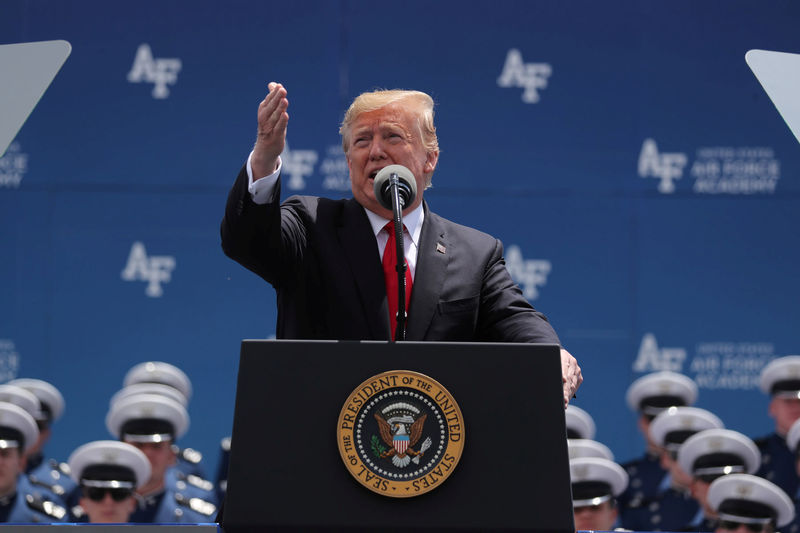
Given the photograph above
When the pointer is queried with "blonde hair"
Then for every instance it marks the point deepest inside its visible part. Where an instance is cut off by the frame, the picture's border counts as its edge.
(365, 102)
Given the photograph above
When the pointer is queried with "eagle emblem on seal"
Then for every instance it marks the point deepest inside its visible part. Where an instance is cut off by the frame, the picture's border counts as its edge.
(401, 425)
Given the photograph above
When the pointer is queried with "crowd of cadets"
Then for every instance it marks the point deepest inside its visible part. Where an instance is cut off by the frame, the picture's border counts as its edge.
(694, 475)
(140, 477)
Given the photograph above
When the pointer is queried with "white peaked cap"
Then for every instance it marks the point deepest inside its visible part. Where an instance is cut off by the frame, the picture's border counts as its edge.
(682, 419)
(719, 441)
(147, 406)
(15, 417)
(782, 369)
(149, 388)
(661, 384)
(585, 469)
(751, 488)
(588, 448)
(109, 453)
(159, 372)
(45, 392)
(21, 398)
(580, 422)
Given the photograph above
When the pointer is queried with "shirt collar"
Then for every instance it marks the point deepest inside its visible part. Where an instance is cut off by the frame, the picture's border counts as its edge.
(412, 221)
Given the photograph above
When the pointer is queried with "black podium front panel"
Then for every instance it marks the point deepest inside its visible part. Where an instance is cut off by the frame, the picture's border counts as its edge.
(286, 471)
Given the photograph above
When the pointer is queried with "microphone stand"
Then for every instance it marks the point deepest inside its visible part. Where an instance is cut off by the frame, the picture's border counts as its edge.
(397, 212)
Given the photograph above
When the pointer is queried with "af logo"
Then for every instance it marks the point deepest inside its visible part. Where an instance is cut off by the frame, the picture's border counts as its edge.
(530, 76)
(160, 72)
(667, 167)
(13, 166)
(651, 358)
(400, 434)
(529, 273)
(154, 269)
(9, 360)
(297, 165)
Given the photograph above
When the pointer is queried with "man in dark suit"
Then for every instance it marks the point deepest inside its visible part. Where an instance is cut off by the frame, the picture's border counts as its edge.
(321, 254)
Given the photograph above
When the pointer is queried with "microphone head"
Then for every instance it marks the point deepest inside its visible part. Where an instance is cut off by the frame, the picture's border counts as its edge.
(406, 186)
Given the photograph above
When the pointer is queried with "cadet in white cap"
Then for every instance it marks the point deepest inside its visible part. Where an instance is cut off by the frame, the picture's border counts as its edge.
(189, 461)
(580, 424)
(152, 423)
(40, 484)
(711, 454)
(780, 379)
(749, 503)
(793, 441)
(108, 473)
(596, 482)
(17, 432)
(182, 475)
(674, 507)
(648, 396)
(50, 474)
(588, 448)
(159, 372)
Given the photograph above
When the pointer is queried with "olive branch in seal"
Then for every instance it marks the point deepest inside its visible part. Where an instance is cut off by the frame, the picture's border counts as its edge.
(377, 447)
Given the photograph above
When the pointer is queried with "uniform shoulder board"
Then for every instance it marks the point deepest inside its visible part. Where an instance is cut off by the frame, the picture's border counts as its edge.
(199, 482)
(191, 455)
(45, 507)
(196, 504)
(62, 468)
(58, 490)
(77, 512)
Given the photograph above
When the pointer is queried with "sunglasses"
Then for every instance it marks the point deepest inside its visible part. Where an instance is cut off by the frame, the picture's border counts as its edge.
(732, 525)
(97, 494)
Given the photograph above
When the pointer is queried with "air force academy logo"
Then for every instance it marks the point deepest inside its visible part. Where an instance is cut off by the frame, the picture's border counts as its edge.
(530, 76)
(667, 167)
(154, 269)
(400, 434)
(160, 72)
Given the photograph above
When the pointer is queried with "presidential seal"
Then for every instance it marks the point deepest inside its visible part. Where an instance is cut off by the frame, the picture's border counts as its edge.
(400, 434)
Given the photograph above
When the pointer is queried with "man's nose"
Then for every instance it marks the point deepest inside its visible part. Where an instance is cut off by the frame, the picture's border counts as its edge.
(376, 150)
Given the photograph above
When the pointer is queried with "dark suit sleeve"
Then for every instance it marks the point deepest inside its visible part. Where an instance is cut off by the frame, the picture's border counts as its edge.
(268, 239)
(504, 315)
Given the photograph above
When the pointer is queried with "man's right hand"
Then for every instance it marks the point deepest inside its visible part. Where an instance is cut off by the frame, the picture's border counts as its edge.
(271, 138)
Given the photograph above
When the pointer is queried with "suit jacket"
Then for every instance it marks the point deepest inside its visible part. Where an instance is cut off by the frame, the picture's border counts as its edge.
(321, 257)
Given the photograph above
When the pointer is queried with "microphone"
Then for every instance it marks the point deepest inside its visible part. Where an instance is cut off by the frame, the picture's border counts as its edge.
(406, 186)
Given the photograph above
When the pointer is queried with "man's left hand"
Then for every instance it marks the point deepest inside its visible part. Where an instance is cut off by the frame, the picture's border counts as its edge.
(570, 375)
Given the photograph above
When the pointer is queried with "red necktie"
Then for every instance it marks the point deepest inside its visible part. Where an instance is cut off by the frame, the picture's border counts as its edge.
(390, 276)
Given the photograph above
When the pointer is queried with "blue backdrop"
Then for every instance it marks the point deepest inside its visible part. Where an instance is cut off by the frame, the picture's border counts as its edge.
(644, 185)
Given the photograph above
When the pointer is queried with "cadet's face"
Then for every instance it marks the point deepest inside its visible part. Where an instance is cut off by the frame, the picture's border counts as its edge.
(595, 517)
(744, 528)
(10, 467)
(785, 411)
(160, 455)
(700, 493)
(108, 511)
(387, 136)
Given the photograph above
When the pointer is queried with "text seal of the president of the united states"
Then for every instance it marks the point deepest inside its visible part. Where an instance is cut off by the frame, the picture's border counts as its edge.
(400, 433)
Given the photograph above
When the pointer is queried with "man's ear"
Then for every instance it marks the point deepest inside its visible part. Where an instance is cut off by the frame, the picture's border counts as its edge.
(431, 159)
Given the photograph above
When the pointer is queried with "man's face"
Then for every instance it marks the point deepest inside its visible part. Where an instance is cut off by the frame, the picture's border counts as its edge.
(699, 490)
(670, 464)
(160, 455)
(108, 510)
(595, 517)
(733, 527)
(387, 136)
(10, 467)
(785, 411)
